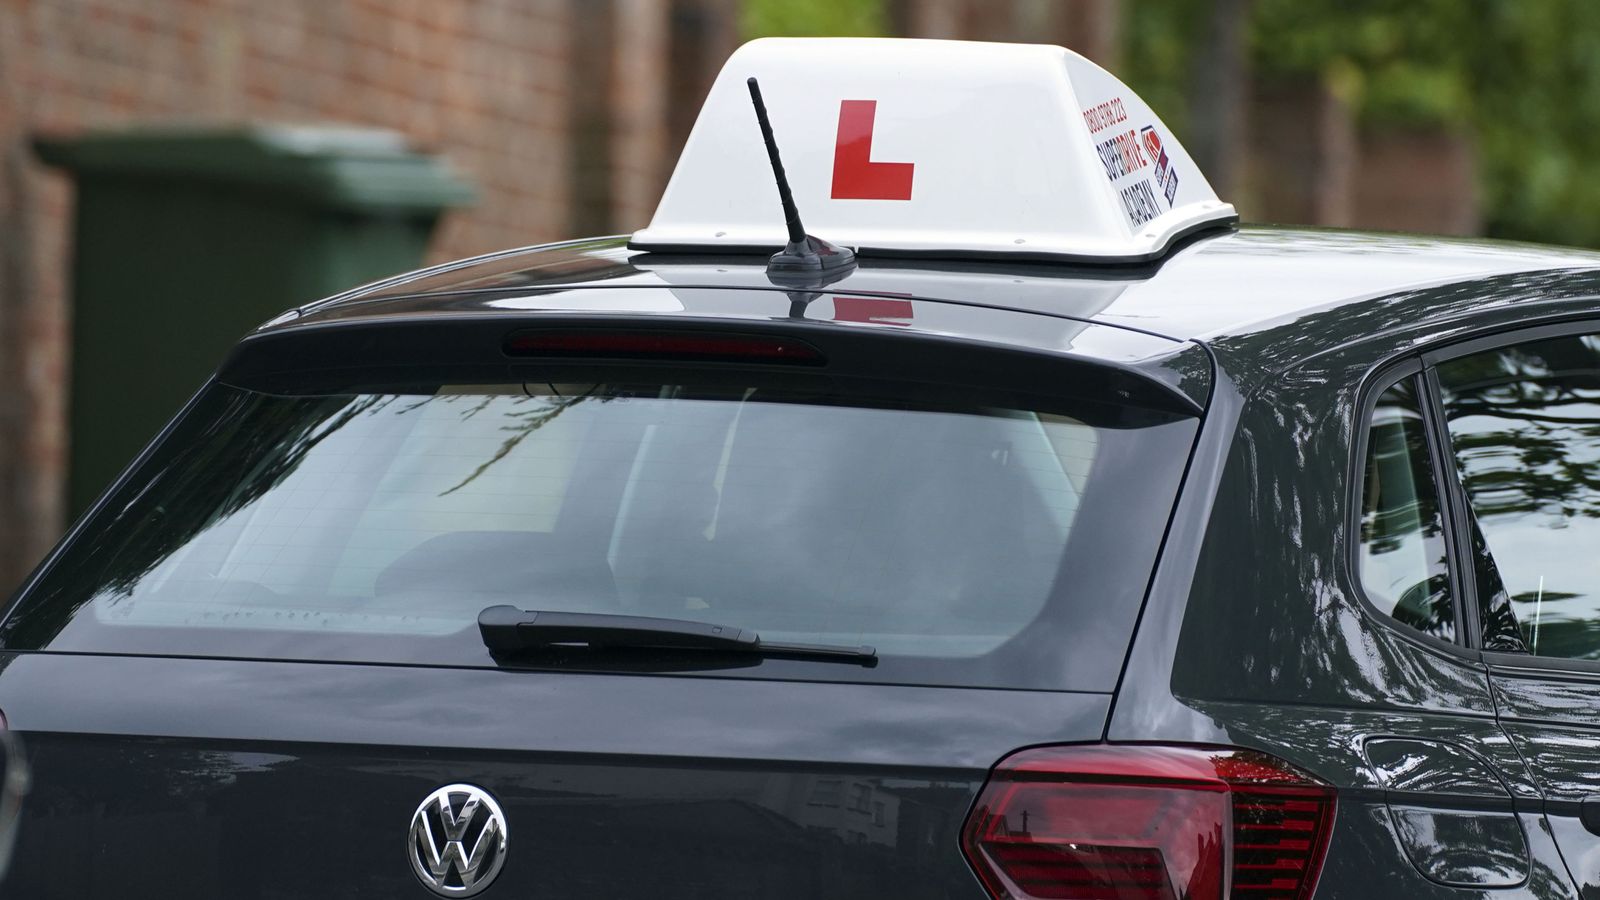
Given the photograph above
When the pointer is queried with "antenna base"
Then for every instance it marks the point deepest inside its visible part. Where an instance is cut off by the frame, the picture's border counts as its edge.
(809, 260)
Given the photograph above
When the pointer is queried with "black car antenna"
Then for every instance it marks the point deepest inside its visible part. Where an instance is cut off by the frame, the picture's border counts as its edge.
(806, 261)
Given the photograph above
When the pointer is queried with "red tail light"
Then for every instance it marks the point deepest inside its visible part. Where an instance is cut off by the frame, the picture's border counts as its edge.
(1139, 822)
(698, 347)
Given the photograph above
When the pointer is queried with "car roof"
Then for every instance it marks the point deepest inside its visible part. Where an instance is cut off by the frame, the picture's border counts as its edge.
(1253, 282)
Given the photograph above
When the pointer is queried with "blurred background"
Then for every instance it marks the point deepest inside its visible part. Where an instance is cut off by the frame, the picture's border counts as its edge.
(144, 163)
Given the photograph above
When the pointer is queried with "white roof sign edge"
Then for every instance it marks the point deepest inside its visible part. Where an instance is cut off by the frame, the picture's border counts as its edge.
(920, 147)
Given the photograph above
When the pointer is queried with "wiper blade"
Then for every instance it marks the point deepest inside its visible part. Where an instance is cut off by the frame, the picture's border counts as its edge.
(507, 629)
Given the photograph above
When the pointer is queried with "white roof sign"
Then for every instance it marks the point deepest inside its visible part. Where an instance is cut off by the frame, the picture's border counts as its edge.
(938, 147)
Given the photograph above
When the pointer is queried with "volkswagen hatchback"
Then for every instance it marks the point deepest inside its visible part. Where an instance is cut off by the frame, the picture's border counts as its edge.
(1044, 535)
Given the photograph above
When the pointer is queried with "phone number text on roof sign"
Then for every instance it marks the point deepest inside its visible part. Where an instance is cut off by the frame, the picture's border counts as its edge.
(1105, 115)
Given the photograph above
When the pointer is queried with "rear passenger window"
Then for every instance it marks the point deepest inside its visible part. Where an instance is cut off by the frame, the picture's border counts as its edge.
(1403, 558)
(1524, 423)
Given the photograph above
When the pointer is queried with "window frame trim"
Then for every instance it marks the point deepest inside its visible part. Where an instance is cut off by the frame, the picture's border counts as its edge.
(1378, 382)
(1456, 510)
(1520, 334)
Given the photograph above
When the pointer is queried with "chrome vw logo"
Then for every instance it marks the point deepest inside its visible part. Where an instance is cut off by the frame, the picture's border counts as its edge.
(458, 840)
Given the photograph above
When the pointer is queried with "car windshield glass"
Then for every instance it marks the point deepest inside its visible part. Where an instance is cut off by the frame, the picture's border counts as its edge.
(375, 526)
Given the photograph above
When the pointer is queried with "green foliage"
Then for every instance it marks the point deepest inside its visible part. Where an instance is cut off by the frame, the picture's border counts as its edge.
(813, 18)
(1393, 60)
(1522, 76)
(1539, 128)
(1159, 56)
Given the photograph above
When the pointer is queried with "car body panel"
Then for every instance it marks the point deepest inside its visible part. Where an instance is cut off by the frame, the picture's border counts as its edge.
(1283, 654)
(696, 788)
(1220, 283)
(1285, 507)
(1554, 722)
(1177, 364)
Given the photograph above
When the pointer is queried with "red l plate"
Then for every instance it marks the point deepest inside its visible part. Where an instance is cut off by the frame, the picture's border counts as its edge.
(855, 175)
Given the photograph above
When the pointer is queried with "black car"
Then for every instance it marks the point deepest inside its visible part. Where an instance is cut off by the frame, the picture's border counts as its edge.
(1256, 568)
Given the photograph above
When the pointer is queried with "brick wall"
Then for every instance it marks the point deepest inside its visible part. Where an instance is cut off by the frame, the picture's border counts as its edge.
(490, 84)
(482, 80)
(1419, 179)
(1302, 156)
(1308, 161)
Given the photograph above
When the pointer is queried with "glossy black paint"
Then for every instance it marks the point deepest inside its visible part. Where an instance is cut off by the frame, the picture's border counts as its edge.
(1246, 281)
(1306, 668)
(610, 783)
(929, 340)
(1252, 633)
(1476, 844)
(1553, 718)
(850, 329)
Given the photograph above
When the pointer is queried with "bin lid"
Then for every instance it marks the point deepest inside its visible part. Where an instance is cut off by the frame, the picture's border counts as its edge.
(359, 169)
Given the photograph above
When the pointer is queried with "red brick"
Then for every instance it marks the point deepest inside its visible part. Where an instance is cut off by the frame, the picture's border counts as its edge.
(1390, 195)
(485, 85)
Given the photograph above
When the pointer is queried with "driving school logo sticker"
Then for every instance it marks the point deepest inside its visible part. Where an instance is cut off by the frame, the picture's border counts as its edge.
(457, 843)
(1126, 155)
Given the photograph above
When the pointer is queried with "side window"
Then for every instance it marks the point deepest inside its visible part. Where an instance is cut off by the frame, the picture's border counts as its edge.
(1524, 425)
(1403, 564)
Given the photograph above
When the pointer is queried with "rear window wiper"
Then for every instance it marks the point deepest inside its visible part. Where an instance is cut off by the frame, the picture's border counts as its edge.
(507, 629)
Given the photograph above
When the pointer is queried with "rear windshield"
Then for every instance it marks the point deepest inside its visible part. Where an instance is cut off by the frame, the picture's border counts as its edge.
(1003, 544)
